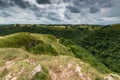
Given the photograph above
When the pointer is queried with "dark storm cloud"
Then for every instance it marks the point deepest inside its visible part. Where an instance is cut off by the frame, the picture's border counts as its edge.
(67, 11)
(67, 16)
(5, 14)
(94, 10)
(4, 4)
(11, 3)
(74, 9)
(92, 5)
(53, 16)
(21, 3)
(43, 1)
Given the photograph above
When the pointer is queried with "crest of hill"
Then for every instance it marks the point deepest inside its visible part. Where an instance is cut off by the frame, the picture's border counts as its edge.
(114, 27)
(20, 65)
(45, 44)
(35, 43)
(22, 54)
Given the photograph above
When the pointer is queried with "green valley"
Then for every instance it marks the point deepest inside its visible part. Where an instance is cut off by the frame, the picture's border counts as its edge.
(60, 52)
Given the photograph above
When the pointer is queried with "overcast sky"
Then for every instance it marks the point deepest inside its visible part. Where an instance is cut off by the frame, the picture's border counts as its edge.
(59, 11)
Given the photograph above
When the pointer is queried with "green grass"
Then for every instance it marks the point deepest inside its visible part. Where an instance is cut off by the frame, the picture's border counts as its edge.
(84, 55)
(87, 57)
(17, 40)
(48, 63)
(44, 75)
(42, 48)
(104, 44)
(114, 27)
(35, 43)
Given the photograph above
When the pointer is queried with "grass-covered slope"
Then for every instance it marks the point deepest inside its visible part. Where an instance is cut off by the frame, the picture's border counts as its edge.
(75, 33)
(84, 55)
(28, 56)
(45, 44)
(104, 44)
(16, 64)
(35, 43)
(115, 27)
(20, 65)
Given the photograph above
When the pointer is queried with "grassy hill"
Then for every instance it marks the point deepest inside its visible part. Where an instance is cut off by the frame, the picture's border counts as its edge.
(48, 45)
(115, 27)
(97, 41)
(104, 44)
(43, 56)
(21, 65)
(35, 43)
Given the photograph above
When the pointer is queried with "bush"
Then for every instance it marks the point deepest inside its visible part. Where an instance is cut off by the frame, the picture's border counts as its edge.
(84, 55)
(66, 42)
(42, 48)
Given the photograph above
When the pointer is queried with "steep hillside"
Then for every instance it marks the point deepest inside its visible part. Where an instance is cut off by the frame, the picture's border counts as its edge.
(17, 64)
(35, 43)
(45, 44)
(115, 27)
(104, 44)
(28, 56)
(75, 33)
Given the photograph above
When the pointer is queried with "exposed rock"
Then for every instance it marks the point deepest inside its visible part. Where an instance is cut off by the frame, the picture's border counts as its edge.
(14, 76)
(112, 76)
(60, 66)
(63, 75)
(10, 77)
(35, 70)
(7, 65)
(69, 65)
(108, 78)
(26, 60)
(52, 75)
(78, 69)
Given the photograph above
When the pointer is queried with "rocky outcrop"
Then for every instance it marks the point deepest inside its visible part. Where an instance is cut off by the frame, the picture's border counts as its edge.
(14, 76)
(112, 77)
(68, 73)
(35, 70)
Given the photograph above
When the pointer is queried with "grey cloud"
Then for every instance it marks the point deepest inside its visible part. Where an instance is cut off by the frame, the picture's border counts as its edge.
(5, 4)
(93, 5)
(60, 11)
(21, 3)
(94, 10)
(43, 1)
(74, 9)
(5, 14)
(53, 16)
(11, 3)
(67, 16)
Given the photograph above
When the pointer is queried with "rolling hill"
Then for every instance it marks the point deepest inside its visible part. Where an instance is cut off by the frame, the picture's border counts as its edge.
(94, 45)
(104, 44)
(29, 56)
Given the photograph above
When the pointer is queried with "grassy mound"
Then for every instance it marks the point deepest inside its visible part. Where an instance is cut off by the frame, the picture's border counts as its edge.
(22, 66)
(17, 40)
(49, 45)
(114, 27)
(35, 43)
